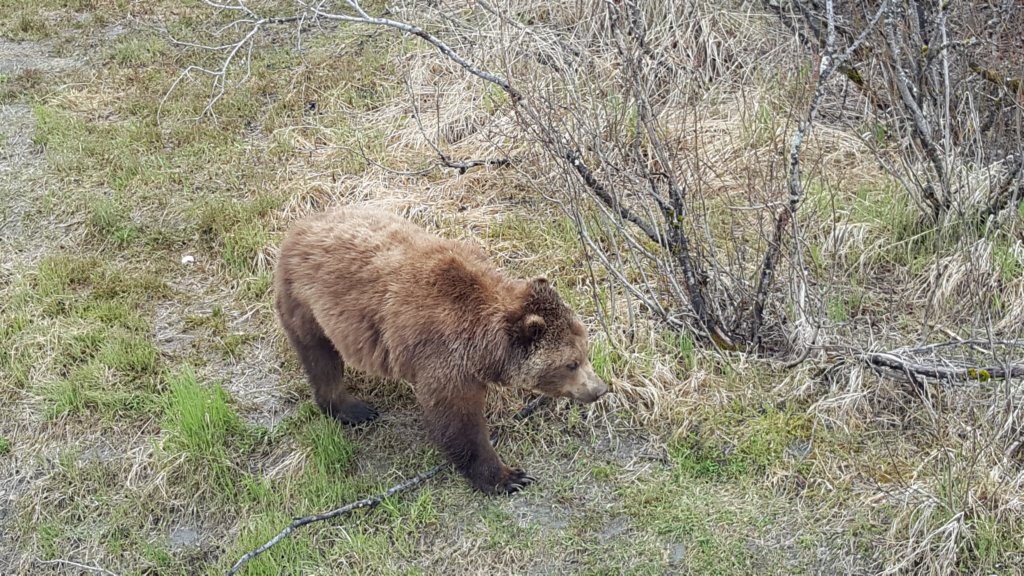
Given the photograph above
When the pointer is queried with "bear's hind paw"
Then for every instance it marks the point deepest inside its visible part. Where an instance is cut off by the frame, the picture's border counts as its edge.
(353, 412)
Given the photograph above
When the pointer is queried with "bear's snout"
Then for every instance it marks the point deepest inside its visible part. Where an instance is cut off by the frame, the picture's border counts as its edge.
(592, 389)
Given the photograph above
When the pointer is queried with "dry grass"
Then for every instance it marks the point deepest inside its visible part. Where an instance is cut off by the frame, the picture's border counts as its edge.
(155, 421)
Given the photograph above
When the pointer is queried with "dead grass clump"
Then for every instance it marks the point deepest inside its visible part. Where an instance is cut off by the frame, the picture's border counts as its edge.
(959, 507)
(939, 464)
(962, 275)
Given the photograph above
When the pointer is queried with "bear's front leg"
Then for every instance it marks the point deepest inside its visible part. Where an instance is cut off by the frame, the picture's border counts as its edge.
(458, 427)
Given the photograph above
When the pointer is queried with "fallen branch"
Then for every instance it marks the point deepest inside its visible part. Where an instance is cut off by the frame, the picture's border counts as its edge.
(370, 502)
(364, 503)
(904, 368)
(913, 364)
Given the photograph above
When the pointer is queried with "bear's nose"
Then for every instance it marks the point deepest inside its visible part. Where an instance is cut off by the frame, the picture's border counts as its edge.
(594, 390)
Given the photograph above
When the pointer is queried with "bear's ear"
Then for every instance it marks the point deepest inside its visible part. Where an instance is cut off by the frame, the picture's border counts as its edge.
(539, 282)
(531, 328)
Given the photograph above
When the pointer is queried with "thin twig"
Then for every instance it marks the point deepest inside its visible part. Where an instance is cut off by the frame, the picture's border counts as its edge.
(364, 18)
(603, 194)
(95, 569)
(461, 165)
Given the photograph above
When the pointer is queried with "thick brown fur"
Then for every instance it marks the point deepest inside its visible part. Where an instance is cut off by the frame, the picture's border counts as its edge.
(374, 291)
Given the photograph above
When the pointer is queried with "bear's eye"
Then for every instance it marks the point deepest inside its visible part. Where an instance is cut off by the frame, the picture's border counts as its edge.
(573, 366)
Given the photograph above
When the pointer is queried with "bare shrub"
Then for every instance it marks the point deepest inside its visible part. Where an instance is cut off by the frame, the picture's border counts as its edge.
(943, 105)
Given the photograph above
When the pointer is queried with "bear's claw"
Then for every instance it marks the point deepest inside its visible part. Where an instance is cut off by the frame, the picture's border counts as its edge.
(516, 481)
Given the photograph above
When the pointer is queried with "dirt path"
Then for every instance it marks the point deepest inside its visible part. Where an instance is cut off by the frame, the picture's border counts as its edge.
(22, 164)
(24, 237)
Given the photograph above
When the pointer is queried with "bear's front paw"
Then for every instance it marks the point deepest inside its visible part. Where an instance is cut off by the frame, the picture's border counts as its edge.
(515, 481)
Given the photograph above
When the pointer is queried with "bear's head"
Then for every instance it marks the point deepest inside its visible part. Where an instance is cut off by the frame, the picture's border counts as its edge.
(554, 351)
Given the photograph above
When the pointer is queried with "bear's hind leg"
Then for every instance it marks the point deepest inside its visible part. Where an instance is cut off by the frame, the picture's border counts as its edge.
(325, 370)
(322, 363)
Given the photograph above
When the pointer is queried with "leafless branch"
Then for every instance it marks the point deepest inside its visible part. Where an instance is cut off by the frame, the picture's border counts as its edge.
(942, 114)
(219, 76)
(921, 126)
(617, 274)
(362, 17)
(573, 158)
(830, 62)
(364, 503)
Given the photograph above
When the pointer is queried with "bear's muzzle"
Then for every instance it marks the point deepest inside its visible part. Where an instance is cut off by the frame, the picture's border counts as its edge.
(592, 389)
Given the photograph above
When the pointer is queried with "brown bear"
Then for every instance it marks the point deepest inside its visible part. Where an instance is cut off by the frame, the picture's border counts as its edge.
(366, 288)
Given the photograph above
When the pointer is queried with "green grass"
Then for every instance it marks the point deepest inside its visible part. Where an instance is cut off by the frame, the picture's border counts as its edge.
(197, 419)
(110, 220)
(683, 347)
(243, 246)
(718, 528)
(201, 425)
(26, 26)
(134, 50)
(607, 360)
(546, 233)
(294, 555)
(1007, 263)
(83, 323)
(753, 440)
(238, 229)
(329, 452)
(89, 389)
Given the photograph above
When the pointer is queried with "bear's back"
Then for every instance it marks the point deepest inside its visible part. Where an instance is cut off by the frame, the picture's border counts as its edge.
(383, 289)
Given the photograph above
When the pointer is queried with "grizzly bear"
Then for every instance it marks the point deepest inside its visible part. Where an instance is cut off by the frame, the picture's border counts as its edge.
(374, 291)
